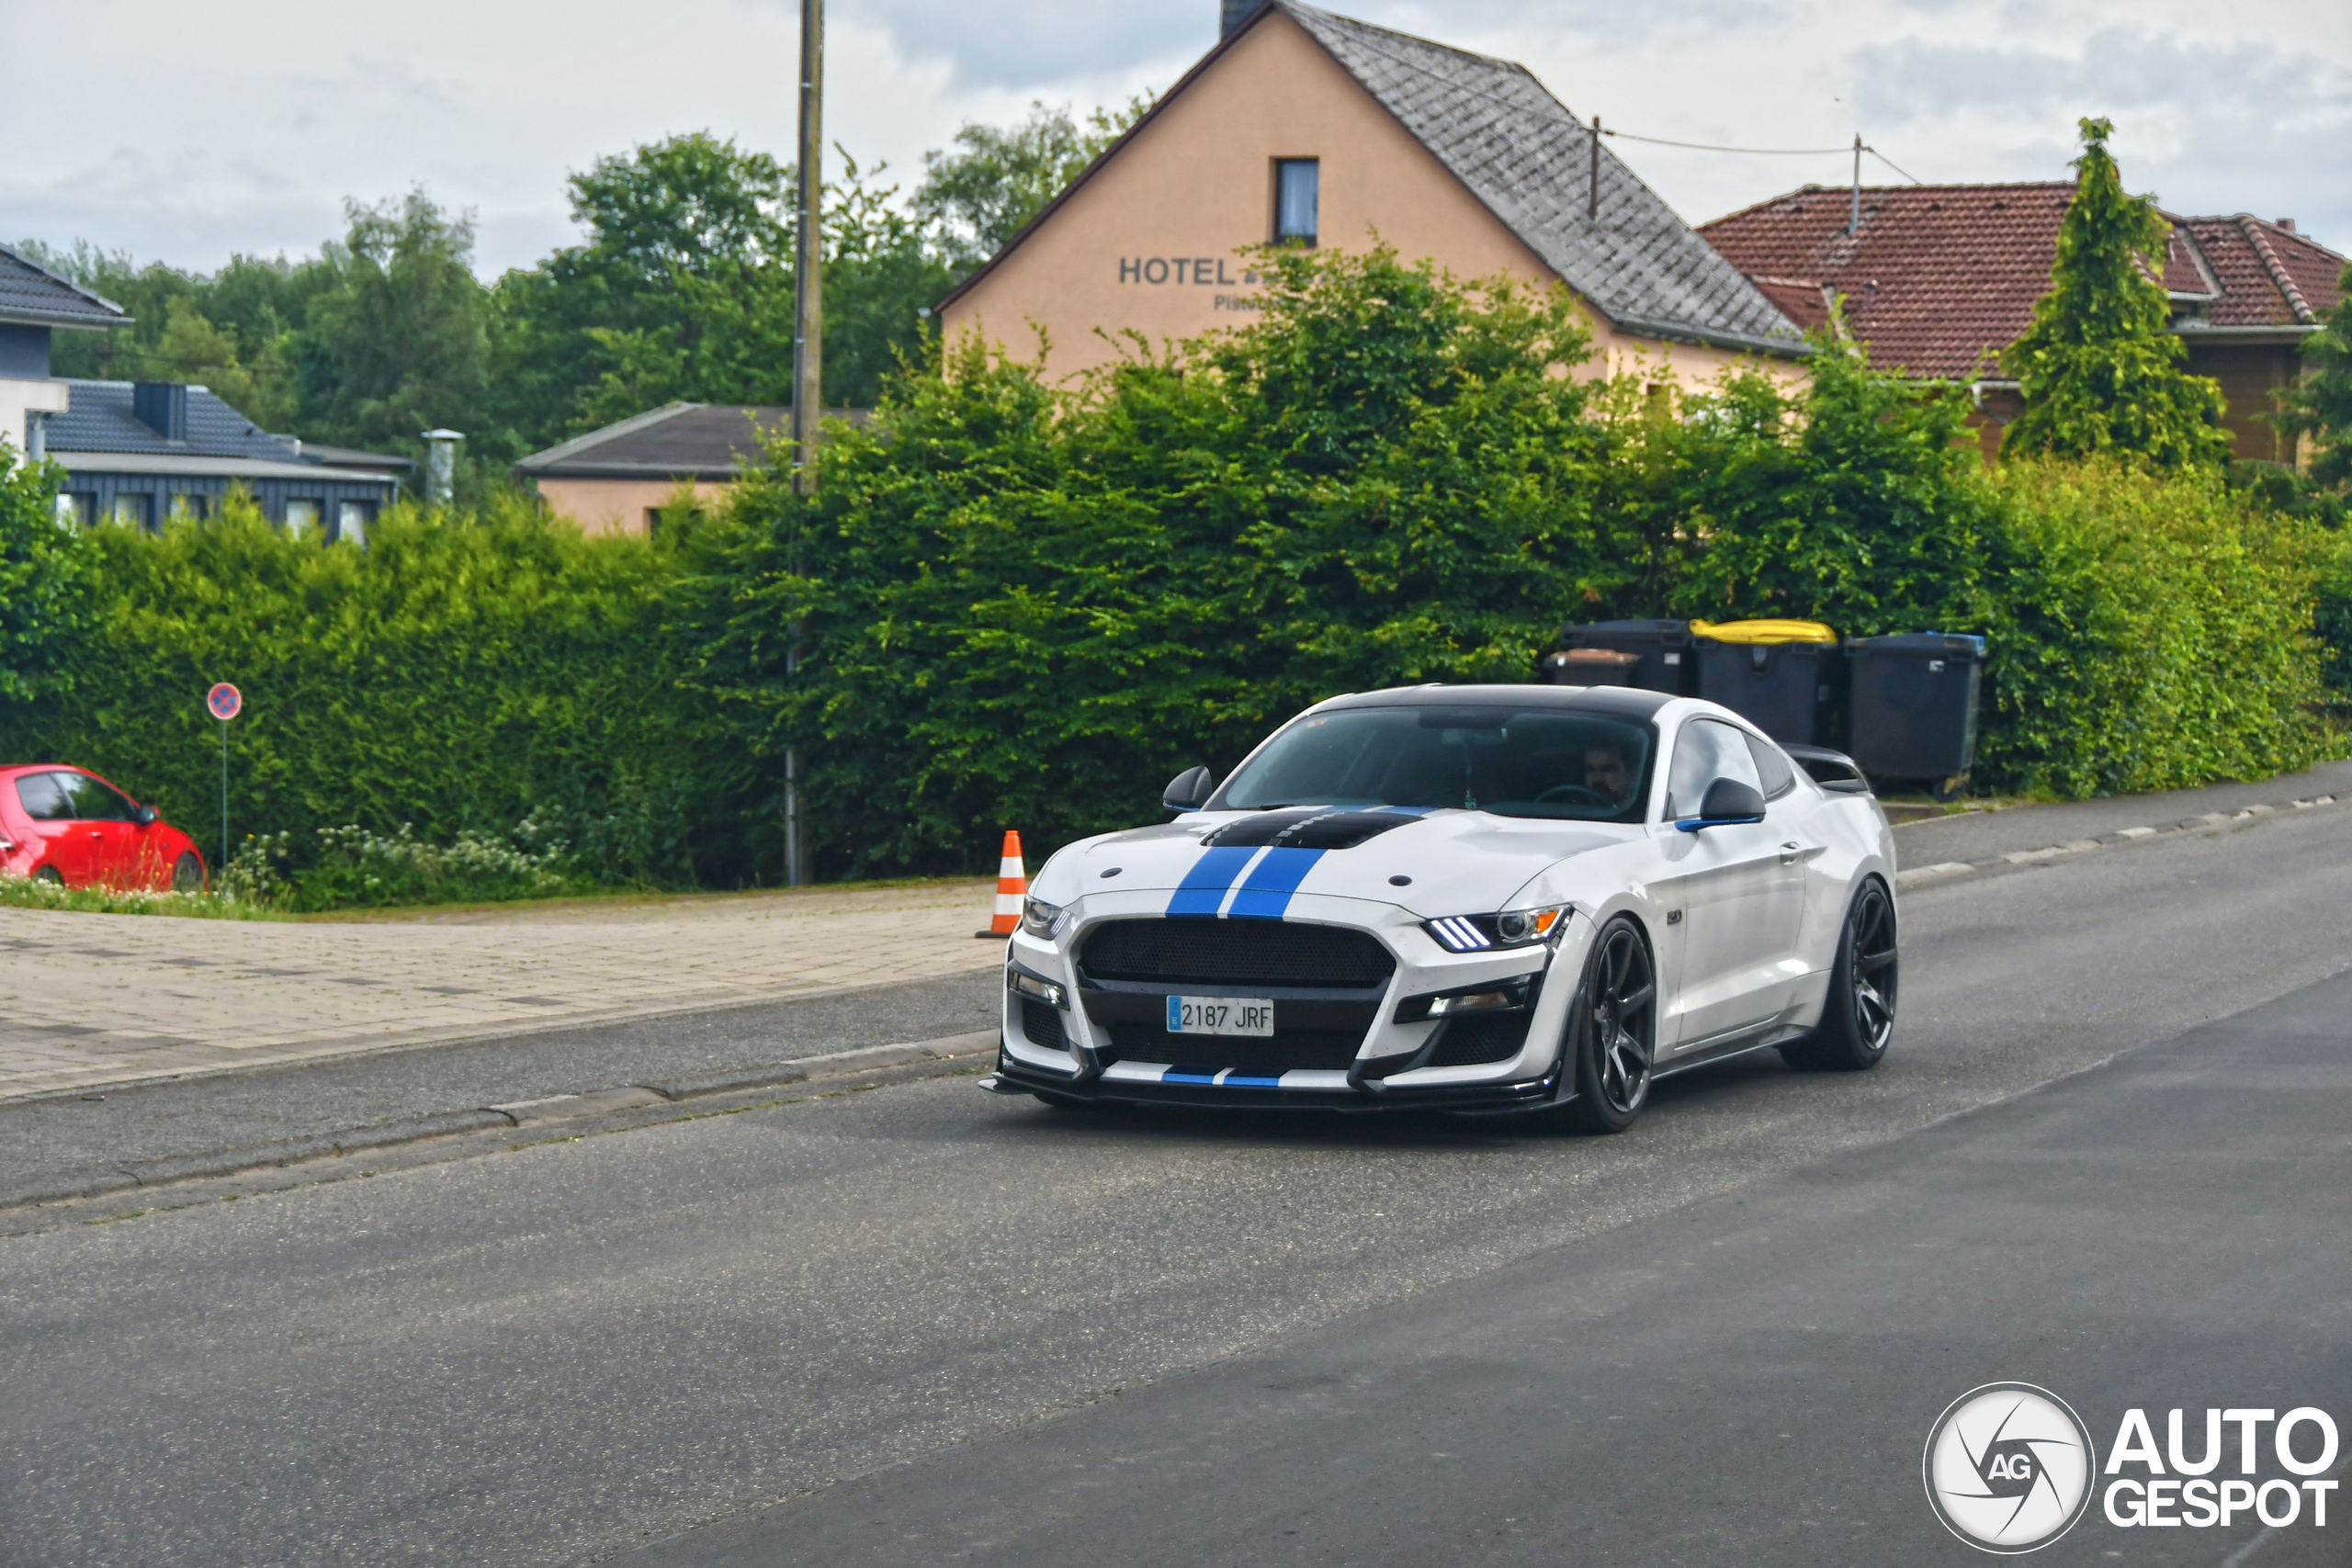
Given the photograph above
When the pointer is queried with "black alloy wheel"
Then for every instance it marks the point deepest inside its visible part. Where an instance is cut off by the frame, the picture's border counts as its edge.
(1857, 1016)
(1613, 1035)
(187, 876)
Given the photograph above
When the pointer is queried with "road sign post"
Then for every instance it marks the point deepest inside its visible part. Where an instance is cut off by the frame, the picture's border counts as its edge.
(224, 703)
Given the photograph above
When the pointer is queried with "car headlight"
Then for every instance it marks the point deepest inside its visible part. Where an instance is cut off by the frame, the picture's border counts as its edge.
(1512, 928)
(1041, 919)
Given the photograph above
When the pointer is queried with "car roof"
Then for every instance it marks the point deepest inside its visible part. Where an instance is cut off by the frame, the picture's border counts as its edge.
(1618, 702)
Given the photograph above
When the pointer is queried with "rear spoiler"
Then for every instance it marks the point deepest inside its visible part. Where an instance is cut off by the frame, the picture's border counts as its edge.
(1833, 771)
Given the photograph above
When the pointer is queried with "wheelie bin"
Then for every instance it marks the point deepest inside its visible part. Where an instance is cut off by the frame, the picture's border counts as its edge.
(1914, 704)
(1782, 676)
(1660, 650)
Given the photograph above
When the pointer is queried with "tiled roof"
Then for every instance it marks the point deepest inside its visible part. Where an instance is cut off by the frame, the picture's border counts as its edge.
(1521, 152)
(1939, 278)
(711, 441)
(100, 421)
(32, 294)
(2268, 275)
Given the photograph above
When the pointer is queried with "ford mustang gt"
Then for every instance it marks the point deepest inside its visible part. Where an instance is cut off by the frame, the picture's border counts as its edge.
(1475, 899)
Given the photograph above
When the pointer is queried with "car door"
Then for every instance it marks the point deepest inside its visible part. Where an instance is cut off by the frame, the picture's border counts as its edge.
(1738, 889)
(66, 846)
(112, 829)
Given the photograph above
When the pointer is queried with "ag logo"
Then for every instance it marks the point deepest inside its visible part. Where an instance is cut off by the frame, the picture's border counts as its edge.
(2009, 1467)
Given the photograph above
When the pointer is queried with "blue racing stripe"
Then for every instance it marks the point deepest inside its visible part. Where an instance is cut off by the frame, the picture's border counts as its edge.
(1189, 1075)
(1254, 1080)
(1267, 893)
(1202, 890)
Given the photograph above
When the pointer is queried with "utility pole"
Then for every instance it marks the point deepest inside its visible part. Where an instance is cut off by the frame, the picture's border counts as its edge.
(1854, 220)
(808, 355)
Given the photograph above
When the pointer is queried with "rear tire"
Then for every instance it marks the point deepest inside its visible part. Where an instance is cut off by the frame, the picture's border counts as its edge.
(1857, 1016)
(187, 875)
(1612, 1030)
(49, 875)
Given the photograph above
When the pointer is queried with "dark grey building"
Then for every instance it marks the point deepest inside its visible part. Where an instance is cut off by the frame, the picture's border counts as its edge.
(142, 452)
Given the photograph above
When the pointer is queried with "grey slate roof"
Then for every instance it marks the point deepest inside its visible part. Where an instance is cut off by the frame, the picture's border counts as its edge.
(31, 295)
(100, 421)
(705, 441)
(1521, 153)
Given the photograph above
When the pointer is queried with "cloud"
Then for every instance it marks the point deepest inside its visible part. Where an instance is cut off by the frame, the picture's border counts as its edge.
(1009, 44)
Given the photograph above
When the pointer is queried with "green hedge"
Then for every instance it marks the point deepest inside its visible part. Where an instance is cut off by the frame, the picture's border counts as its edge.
(2150, 632)
(1014, 603)
(454, 675)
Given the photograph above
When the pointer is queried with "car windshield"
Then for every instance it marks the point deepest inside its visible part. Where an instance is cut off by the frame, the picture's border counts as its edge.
(1550, 762)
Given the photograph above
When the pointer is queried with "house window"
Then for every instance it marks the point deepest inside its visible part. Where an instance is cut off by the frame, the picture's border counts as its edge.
(186, 509)
(75, 507)
(351, 520)
(301, 519)
(131, 510)
(1297, 183)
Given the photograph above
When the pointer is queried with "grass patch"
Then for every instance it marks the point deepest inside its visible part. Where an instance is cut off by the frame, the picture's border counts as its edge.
(25, 892)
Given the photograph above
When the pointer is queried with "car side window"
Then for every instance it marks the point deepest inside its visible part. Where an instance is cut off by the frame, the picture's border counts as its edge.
(93, 802)
(1707, 749)
(1772, 765)
(42, 800)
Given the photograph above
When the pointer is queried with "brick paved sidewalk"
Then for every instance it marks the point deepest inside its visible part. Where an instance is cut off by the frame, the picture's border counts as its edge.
(90, 999)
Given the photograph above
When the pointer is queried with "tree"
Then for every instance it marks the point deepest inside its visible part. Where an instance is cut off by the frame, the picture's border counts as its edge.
(2099, 369)
(394, 345)
(972, 201)
(682, 289)
(2320, 405)
(41, 601)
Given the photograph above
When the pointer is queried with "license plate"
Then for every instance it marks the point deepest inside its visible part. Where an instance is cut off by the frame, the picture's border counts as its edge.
(1221, 1015)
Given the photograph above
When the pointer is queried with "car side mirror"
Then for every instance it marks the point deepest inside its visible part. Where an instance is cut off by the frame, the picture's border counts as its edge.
(1188, 789)
(146, 815)
(1728, 801)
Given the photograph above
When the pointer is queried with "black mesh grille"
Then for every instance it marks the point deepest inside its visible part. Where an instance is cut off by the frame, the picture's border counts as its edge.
(1472, 1040)
(1043, 1024)
(1264, 952)
(1287, 1048)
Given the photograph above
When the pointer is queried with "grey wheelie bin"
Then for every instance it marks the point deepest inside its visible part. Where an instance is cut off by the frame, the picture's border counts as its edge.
(1659, 651)
(1914, 704)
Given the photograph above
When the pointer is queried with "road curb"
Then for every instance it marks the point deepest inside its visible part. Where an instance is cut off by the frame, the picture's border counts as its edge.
(1944, 871)
(948, 1053)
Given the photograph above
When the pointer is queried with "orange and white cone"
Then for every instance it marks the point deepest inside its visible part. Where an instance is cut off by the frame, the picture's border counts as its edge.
(1012, 888)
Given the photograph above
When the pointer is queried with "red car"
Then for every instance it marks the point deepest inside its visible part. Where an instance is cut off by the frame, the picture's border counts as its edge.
(68, 825)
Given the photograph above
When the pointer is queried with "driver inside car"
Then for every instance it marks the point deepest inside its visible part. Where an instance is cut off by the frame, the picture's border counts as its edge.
(1605, 772)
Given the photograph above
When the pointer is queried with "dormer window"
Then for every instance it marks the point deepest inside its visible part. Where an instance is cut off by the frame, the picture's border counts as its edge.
(1297, 191)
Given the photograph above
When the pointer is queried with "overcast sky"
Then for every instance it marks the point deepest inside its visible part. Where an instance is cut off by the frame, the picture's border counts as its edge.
(188, 131)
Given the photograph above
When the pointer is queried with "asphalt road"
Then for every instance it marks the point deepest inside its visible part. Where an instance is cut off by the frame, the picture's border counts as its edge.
(907, 1325)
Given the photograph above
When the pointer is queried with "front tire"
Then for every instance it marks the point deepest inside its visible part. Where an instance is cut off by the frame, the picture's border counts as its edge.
(187, 875)
(49, 875)
(1612, 1030)
(1857, 1016)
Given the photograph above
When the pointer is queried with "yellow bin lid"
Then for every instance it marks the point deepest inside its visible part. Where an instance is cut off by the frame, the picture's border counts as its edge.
(1763, 631)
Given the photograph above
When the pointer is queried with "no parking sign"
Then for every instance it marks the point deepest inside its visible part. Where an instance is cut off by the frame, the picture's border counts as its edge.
(224, 702)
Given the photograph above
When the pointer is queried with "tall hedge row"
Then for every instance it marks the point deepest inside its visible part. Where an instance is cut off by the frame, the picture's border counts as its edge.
(456, 674)
(1014, 601)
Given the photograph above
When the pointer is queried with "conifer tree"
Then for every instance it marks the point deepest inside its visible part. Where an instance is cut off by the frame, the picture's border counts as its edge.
(2100, 368)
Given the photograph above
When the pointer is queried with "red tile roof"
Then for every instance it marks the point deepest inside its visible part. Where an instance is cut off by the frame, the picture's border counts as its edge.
(1941, 279)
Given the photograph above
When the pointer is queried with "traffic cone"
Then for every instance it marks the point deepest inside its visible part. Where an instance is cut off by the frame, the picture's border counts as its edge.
(1012, 887)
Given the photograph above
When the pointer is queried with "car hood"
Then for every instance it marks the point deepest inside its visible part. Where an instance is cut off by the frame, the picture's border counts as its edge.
(1253, 862)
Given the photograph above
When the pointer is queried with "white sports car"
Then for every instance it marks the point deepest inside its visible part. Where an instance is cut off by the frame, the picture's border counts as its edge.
(1479, 899)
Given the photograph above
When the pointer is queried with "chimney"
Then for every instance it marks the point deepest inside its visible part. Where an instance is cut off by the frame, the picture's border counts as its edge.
(162, 406)
(1233, 13)
(2288, 224)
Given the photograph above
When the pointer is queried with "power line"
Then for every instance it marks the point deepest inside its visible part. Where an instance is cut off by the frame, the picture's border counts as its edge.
(1769, 151)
